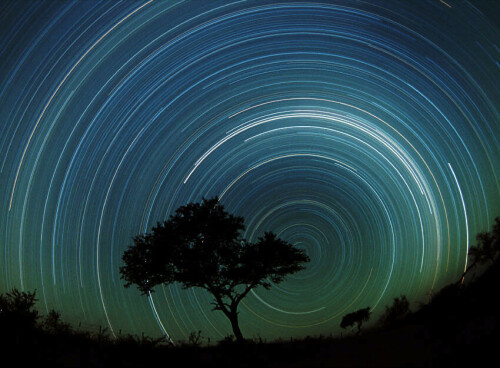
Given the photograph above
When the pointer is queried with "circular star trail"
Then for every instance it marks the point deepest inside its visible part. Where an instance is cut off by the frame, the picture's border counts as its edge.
(366, 133)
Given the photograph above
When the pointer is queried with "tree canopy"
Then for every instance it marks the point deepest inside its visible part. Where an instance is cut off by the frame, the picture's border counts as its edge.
(488, 245)
(360, 316)
(201, 246)
(486, 250)
(17, 310)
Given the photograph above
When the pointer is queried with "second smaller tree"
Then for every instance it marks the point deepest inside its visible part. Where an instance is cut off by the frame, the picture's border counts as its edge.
(360, 316)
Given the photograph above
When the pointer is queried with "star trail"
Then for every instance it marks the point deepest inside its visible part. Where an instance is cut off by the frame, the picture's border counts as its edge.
(364, 132)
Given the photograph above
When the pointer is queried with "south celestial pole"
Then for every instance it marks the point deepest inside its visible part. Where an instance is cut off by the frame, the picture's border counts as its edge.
(364, 132)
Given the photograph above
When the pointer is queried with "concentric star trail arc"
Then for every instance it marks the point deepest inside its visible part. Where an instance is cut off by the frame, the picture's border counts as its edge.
(365, 133)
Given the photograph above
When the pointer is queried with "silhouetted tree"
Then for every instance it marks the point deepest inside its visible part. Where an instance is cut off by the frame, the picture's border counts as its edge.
(18, 318)
(200, 246)
(486, 250)
(17, 307)
(399, 309)
(488, 245)
(52, 323)
(360, 316)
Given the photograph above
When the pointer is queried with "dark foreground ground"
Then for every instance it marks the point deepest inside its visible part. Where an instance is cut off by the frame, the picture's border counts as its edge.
(460, 327)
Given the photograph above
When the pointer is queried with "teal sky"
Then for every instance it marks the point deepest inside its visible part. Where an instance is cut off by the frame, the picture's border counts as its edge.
(364, 132)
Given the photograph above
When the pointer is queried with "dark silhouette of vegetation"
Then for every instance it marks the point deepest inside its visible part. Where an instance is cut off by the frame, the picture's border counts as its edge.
(488, 246)
(32, 337)
(19, 316)
(486, 250)
(53, 323)
(459, 327)
(201, 246)
(17, 309)
(358, 317)
(399, 309)
(195, 338)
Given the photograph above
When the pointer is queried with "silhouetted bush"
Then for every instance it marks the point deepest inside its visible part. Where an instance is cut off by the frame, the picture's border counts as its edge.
(52, 324)
(358, 317)
(488, 245)
(18, 315)
(460, 326)
(399, 309)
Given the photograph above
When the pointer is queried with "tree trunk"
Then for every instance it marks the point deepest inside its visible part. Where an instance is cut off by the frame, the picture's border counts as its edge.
(233, 317)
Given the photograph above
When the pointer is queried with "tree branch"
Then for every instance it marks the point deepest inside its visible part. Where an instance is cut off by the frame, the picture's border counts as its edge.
(242, 295)
(219, 303)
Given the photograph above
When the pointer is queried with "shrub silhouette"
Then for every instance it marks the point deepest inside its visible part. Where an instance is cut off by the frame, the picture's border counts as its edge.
(200, 246)
(360, 316)
(488, 245)
(17, 310)
(52, 324)
(399, 309)
(486, 250)
(195, 338)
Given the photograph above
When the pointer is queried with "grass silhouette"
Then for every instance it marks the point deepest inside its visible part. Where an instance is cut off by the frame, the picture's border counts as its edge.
(458, 327)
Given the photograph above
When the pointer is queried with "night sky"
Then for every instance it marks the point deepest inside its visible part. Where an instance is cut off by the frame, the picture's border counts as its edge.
(364, 132)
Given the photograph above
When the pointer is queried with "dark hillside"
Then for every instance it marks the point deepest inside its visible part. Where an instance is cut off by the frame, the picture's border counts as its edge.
(459, 327)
